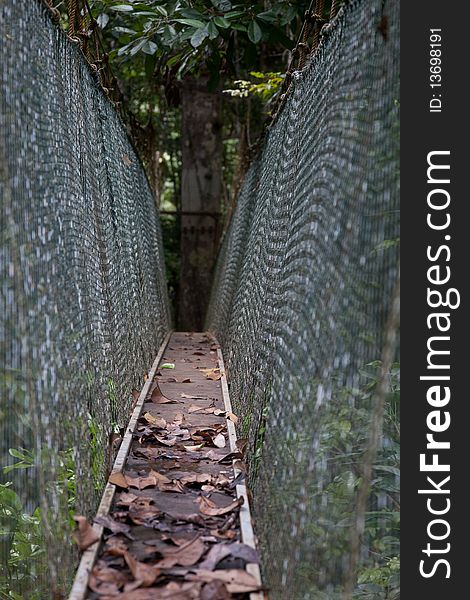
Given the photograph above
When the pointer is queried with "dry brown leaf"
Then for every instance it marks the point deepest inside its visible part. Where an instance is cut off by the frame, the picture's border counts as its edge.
(126, 499)
(215, 590)
(173, 486)
(135, 398)
(160, 477)
(238, 464)
(185, 555)
(118, 479)
(158, 398)
(206, 509)
(213, 374)
(193, 448)
(220, 551)
(151, 453)
(199, 430)
(106, 580)
(114, 526)
(196, 478)
(228, 534)
(241, 445)
(219, 441)
(179, 419)
(213, 454)
(195, 408)
(193, 397)
(237, 581)
(237, 481)
(103, 587)
(206, 501)
(143, 514)
(166, 441)
(84, 535)
(126, 160)
(171, 380)
(188, 590)
(187, 380)
(141, 482)
(222, 480)
(115, 545)
(232, 417)
(152, 479)
(156, 421)
(143, 574)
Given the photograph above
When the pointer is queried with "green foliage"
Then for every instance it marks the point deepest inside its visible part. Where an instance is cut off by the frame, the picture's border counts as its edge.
(379, 574)
(193, 35)
(25, 457)
(341, 428)
(97, 458)
(22, 546)
(22, 543)
(265, 87)
(154, 45)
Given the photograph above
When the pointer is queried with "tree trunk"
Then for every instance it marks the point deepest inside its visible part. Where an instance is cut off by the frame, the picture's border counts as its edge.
(201, 190)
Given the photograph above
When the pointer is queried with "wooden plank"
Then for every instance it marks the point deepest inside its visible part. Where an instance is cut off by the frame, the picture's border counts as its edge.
(79, 588)
(246, 526)
(188, 386)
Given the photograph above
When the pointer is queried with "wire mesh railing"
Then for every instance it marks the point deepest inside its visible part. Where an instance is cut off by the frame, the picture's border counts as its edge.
(305, 306)
(83, 295)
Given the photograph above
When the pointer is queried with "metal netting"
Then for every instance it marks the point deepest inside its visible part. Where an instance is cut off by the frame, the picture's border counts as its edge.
(83, 294)
(302, 295)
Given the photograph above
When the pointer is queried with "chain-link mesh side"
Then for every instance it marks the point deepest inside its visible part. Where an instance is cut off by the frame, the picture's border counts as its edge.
(83, 294)
(301, 298)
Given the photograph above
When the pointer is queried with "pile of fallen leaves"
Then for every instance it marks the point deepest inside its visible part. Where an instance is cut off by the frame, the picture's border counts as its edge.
(173, 531)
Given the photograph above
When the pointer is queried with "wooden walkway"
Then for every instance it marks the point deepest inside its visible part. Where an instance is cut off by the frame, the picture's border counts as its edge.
(174, 521)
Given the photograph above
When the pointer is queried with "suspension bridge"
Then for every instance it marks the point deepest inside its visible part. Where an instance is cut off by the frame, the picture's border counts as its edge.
(260, 458)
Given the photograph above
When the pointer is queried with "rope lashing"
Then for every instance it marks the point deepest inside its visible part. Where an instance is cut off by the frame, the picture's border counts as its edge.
(317, 22)
(55, 13)
(334, 8)
(72, 12)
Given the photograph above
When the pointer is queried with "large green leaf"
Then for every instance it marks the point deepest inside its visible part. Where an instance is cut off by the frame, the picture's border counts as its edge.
(162, 10)
(212, 29)
(145, 13)
(289, 14)
(238, 27)
(221, 22)
(124, 30)
(102, 20)
(122, 8)
(149, 47)
(254, 32)
(233, 14)
(222, 5)
(191, 23)
(269, 16)
(198, 37)
(123, 49)
(140, 44)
